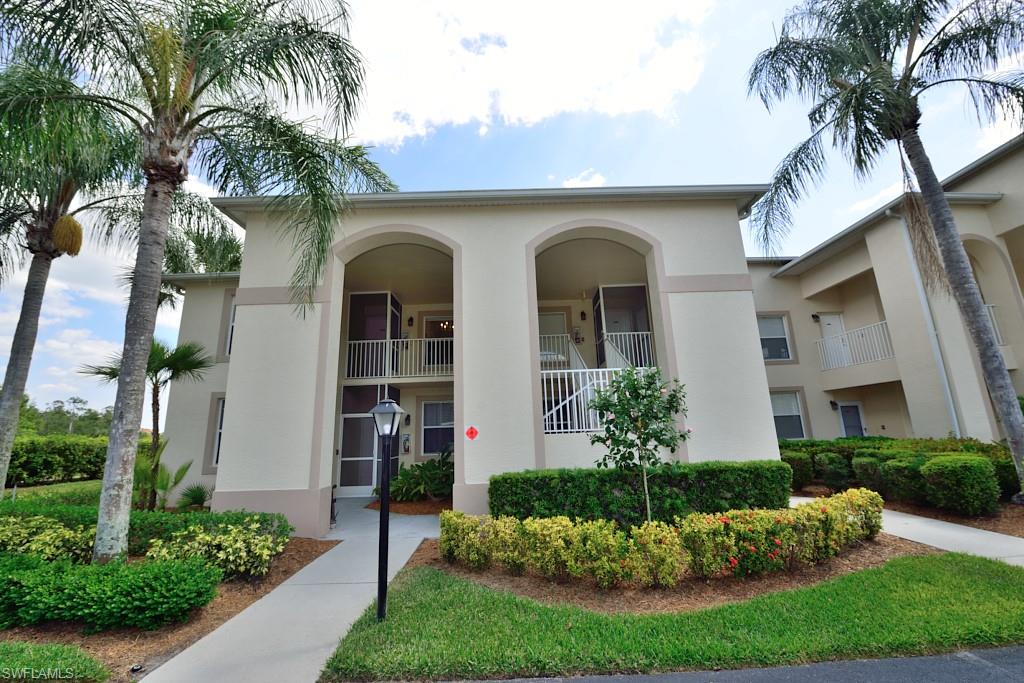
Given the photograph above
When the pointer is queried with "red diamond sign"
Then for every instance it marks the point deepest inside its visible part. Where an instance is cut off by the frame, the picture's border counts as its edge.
(472, 433)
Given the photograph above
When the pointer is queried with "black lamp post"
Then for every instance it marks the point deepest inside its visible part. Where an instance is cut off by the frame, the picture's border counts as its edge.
(387, 415)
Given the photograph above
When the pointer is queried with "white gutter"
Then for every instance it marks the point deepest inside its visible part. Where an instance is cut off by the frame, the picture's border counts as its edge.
(929, 317)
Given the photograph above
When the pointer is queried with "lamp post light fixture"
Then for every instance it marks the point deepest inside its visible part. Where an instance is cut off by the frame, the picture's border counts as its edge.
(387, 416)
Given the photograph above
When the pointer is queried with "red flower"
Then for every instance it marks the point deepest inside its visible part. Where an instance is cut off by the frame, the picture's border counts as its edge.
(824, 509)
(752, 549)
(733, 561)
(777, 542)
(723, 520)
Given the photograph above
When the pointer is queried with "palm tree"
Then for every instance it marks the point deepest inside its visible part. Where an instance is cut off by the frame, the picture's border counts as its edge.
(68, 162)
(199, 81)
(187, 361)
(865, 65)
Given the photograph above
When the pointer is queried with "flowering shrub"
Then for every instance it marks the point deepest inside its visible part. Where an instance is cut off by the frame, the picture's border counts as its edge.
(47, 538)
(236, 549)
(744, 542)
(601, 550)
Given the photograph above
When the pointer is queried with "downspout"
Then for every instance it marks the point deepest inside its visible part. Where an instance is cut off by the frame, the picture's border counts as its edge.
(933, 334)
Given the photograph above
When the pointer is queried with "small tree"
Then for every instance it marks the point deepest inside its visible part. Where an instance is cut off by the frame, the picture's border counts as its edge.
(638, 418)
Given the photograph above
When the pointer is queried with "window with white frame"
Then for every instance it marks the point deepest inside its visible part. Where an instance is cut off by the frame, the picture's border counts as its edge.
(774, 337)
(438, 426)
(230, 336)
(789, 421)
(220, 430)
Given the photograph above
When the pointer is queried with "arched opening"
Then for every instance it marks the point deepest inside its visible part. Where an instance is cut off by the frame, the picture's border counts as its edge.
(997, 282)
(399, 328)
(597, 311)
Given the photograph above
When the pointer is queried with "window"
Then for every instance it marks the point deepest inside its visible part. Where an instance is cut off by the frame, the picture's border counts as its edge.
(230, 336)
(774, 337)
(219, 431)
(789, 422)
(438, 426)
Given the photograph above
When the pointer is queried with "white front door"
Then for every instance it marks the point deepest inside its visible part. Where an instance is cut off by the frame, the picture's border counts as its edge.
(833, 335)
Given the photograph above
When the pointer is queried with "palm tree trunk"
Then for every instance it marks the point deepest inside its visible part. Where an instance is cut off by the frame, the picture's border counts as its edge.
(20, 359)
(154, 447)
(968, 298)
(116, 496)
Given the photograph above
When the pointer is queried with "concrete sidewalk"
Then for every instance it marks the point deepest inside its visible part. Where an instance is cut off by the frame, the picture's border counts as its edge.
(288, 634)
(997, 665)
(948, 536)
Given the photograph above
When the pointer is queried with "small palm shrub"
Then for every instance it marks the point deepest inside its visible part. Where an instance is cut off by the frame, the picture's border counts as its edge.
(431, 479)
(236, 549)
(195, 495)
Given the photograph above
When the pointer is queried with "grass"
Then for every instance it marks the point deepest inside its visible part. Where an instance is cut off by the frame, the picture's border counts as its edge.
(69, 493)
(441, 626)
(49, 662)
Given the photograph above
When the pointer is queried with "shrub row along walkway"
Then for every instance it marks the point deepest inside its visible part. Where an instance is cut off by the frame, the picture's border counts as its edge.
(948, 536)
(288, 634)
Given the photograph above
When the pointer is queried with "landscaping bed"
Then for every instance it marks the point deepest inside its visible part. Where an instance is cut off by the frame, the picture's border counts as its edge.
(691, 593)
(121, 649)
(1009, 519)
(416, 507)
(442, 626)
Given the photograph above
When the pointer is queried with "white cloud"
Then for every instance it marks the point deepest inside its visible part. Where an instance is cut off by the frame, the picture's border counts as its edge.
(587, 178)
(876, 200)
(78, 347)
(997, 133)
(463, 61)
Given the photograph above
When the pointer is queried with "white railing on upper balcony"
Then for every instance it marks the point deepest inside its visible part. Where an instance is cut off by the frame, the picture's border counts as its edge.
(400, 358)
(559, 352)
(855, 347)
(567, 395)
(623, 349)
(991, 309)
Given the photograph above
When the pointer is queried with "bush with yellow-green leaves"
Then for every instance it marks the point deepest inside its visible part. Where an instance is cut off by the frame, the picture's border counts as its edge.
(739, 542)
(47, 538)
(236, 549)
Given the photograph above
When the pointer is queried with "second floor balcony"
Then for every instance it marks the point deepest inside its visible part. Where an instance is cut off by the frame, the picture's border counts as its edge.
(867, 344)
(400, 358)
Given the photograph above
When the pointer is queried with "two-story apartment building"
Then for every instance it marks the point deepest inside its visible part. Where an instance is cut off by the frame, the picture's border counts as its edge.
(856, 342)
(490, 316)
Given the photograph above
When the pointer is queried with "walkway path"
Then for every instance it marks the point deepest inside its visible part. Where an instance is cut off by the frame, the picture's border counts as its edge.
(948, 536)
(1000, 665)
(288, 634)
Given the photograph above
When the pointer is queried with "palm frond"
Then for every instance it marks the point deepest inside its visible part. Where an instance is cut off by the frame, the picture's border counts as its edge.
(975, 40)
(187, 360)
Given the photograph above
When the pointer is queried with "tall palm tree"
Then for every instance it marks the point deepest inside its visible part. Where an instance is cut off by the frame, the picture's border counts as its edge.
(68, 162)
(186, 361)
(864, 65)
(199, 80)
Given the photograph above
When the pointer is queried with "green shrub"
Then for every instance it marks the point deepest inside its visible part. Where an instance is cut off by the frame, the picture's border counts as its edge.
(868, 472)
(144, 526)
(194, 495)
(802, 466)
(72, 663)
(431, 479)
(57, 458)
(466, 539)
(141, 594)
(46, 537)
(744, 542)
(599, 549)
(963, 484)
(834, 469)
(902, 480)
(67, 493)
(676, 489)
(657, 554)
(236, 549)
(548, 543)
(1006, 474)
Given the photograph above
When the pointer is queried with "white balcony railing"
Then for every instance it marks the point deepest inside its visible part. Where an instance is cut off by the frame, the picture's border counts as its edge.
(855, 347)
(991, 309)
(559, 352)
(400, 358)
(567, 395)
(623, 349)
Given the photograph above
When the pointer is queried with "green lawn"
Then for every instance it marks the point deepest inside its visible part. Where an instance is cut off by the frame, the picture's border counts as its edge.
(440, 626)
(49, 662)
(69, 493)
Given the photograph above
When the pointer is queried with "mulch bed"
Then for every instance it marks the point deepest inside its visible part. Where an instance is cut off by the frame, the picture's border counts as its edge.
(690, 594)
(122, 649)
(1009, 519)
(416, 507)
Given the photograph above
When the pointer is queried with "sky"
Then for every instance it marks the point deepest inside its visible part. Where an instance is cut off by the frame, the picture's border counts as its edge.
(463, 94)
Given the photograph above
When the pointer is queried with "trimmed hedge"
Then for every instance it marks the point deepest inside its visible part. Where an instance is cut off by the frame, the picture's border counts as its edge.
(902, 480)
(737, 542)
(677, 489)
(868, 472)
(744, 542)
(802, 466)
(141, 594)
(965, 484)
(834, 469)
(58, 457)
(144, 526)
